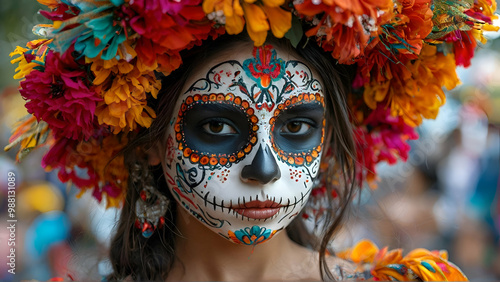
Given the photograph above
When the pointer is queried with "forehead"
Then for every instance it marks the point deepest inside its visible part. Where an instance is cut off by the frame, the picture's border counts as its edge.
(244, 62)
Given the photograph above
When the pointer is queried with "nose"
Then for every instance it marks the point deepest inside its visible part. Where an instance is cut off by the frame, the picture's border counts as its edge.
(263, 168)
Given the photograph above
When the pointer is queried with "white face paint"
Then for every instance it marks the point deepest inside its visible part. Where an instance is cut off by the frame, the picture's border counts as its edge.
(244, 145)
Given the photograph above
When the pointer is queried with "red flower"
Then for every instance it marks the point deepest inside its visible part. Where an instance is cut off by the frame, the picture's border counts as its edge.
(400, 41)
(464, 45)
(345, 27)
(174, 25)
(60, 96)
(150, 53)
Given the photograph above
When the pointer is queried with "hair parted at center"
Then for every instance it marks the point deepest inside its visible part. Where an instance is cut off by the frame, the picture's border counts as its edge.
(152, 258)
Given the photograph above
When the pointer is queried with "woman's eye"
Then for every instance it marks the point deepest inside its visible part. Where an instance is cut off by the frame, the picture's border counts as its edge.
(218, 127)
(296, 127)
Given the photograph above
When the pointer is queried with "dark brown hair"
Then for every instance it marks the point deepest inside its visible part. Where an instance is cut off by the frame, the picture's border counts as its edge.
(152, 258)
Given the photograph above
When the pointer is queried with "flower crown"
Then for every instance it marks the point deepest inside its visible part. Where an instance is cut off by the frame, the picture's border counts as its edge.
(87, 79)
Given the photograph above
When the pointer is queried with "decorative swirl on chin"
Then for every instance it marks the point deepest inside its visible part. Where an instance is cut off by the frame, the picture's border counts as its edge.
(210, 220)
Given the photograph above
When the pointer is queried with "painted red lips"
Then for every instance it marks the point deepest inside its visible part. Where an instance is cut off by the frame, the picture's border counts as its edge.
(258, 209)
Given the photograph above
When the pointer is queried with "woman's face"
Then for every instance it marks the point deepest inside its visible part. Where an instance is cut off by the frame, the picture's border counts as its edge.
(244, 144)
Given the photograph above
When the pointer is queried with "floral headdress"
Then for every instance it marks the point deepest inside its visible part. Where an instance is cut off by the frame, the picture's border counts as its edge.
(87, 79)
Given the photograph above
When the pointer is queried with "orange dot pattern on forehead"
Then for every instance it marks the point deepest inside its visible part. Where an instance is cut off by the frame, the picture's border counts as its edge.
(210, 159)
(301, 158)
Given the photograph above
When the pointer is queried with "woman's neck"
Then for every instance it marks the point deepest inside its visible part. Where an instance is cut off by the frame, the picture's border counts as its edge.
(204, 255)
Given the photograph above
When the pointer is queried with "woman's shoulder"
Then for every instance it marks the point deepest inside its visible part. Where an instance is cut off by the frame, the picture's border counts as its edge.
(365, 261)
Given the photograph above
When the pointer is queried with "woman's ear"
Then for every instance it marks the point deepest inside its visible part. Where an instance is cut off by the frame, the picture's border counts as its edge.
(153, 154)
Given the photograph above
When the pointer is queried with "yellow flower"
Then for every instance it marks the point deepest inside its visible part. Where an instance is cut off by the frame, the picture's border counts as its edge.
(279, 19)
(125, 84)
(38, 52)
(433, 266)
(232, 11)
(104, 69)
(125, 106)
(257, 25)
(259, 17)
(363, 252)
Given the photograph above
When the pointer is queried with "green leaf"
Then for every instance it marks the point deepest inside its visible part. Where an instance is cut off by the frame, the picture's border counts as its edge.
(295, 33)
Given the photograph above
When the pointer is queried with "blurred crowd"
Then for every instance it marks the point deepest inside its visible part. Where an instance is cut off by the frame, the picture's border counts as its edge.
(56, 233)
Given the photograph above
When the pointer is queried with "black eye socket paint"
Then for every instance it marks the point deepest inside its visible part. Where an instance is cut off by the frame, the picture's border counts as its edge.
(197, 136)
(311, 114)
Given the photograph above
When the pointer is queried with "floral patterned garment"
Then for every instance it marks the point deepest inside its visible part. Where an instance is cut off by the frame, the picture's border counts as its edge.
(374, 264)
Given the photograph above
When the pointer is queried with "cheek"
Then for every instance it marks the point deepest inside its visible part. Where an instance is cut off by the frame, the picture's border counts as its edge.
(299, 177)
(220, 176)
(296, 174)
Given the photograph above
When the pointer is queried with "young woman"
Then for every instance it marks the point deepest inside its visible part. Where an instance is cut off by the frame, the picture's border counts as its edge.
(238, 145)
(235, 156)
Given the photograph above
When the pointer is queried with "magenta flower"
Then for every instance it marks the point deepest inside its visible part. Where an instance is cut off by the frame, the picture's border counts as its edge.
(382, 138)
(60, 95)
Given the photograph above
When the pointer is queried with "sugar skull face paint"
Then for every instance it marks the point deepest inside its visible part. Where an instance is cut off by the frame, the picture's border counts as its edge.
(244, 144)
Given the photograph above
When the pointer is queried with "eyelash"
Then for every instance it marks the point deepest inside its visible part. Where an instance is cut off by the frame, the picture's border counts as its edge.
(226, 125)
(302, 122)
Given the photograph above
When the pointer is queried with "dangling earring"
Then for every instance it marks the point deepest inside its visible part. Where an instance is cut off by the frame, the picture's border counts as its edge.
(151, 206)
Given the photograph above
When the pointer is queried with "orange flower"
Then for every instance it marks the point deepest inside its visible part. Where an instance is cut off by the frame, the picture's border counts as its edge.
(259, 16)
(107, 165)
(346, 27)
(125, 106)
(433, 266)
(414, 91)
(151, 54)
(52, 4)
(363, 252)
(420, 264)
(400, 40)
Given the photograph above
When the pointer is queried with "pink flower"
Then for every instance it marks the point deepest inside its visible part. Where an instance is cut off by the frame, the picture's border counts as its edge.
(382, 137)
(60, 95)
(464, 45)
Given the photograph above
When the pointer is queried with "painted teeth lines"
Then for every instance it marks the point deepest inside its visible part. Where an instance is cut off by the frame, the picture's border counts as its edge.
(301, 200)
(242, 201)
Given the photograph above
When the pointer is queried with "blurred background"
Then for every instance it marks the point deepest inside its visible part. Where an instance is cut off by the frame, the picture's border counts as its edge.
(445, 197)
